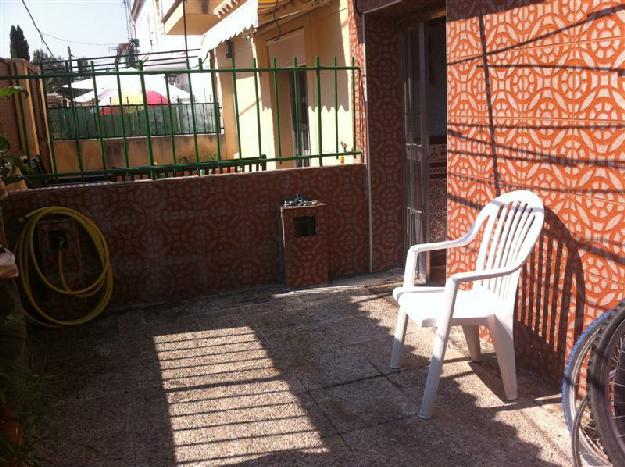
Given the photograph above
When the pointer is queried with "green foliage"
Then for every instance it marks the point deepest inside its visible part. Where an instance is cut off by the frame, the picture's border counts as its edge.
(18, 44)
(10, 91)
(48, 64)
(9, 163)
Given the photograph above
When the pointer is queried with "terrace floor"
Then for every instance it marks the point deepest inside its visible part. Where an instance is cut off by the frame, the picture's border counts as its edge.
(269, 376)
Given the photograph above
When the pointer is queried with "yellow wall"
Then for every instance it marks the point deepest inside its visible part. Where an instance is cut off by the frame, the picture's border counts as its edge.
(67, 160)
(322, 32)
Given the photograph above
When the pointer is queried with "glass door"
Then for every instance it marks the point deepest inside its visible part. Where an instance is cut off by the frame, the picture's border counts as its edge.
(415, 79)
(299, 116)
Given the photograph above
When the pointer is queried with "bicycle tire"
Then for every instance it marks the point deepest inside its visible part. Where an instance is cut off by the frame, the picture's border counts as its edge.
(607, 374)
(583, 346)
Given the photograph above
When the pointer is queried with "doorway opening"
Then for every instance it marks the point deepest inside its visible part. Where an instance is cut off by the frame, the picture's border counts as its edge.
(299, 116)
(424, 69)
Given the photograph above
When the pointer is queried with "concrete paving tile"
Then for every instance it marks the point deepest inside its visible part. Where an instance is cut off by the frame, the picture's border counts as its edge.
(364, 403)
(271, 448)
(303, 315)
(82, 419)
(111, 451)
(228, 378)
(334, 453)
(355, 330)
(416, 442)
(321, 369)
(270, 377)
(154, 448)
(215, 360)
(288, 341)
(378, 352)
(291, 414)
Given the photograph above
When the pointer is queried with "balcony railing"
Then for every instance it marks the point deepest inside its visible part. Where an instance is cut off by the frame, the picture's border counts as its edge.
(332, 136)
(131, 120)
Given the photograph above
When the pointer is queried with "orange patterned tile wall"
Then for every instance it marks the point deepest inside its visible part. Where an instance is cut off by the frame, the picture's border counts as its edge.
(184, 237)
(536, 96)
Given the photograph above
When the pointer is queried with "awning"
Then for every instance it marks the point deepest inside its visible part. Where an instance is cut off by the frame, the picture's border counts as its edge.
(128, 83)
(242, 18)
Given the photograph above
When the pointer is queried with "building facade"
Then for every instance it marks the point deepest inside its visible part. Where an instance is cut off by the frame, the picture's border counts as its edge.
(535, 100)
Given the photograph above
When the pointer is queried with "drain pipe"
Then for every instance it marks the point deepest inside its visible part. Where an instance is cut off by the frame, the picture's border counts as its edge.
(366, 111)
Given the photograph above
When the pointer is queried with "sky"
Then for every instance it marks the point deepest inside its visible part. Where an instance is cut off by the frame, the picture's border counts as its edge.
(101, 23)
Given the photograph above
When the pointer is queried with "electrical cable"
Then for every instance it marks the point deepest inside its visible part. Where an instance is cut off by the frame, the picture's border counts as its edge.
(43, 41)
(78, 42)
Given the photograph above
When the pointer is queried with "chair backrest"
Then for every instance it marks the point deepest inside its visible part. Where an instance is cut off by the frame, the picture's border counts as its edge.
(513, 223)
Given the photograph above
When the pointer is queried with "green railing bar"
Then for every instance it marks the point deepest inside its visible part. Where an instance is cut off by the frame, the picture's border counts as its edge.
(276, 90)
(75, 116)
(193, 121)
(217, 119)
(98, 122)
(162, 113)
(120, 99)
(336, 107)
(354, 102)
(171, 121)
(236, 107)
(18, 97)
(147, 117)
(298, 143)
(319, 128)
(49, 130)
(246, 162)
(186, 71)
(84, 118)
(260, 142)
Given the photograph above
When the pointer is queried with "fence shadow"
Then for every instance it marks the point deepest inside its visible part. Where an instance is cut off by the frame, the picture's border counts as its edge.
(263, 378)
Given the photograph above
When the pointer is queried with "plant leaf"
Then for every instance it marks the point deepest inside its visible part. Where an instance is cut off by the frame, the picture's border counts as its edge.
(10, 91)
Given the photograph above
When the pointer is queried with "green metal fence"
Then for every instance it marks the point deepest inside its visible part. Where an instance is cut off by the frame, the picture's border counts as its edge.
(123, 121)
(61, 120)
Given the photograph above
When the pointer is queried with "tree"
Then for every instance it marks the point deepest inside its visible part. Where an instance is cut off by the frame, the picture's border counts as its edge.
(49, 65)
(18, 44)
(39, 56)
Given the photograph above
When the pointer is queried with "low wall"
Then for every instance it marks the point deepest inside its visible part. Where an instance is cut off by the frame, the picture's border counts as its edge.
(183, 237)
(67, 158)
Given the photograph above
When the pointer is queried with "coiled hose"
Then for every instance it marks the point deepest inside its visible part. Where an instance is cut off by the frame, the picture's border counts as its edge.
(25, 256)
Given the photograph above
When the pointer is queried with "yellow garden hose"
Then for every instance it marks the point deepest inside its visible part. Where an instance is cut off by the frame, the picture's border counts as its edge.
(25, 256)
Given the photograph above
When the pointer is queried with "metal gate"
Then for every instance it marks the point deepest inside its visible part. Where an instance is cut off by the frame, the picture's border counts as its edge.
(415, 70)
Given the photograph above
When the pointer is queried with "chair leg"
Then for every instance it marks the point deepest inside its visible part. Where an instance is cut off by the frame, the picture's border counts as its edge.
(472, 336)
(501, 330)
(398, 341)
(434, 373)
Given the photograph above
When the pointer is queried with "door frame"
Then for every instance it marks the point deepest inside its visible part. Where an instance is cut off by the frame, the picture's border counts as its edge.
(415, 60)
(414, 71)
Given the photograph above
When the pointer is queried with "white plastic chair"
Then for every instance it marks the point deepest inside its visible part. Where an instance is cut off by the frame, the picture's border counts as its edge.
(513, 223)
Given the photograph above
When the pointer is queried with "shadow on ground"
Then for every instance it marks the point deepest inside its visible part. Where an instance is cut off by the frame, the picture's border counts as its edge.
(276, 377)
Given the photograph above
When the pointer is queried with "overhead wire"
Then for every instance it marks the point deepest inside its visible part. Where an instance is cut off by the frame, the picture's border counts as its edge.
(78, 42)
(43, 41)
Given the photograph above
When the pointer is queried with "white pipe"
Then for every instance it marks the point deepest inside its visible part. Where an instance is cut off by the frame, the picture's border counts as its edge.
(368, 151)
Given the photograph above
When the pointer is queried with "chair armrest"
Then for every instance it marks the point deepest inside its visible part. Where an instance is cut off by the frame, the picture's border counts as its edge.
(472, 276)
(439, 245)
(413, 253)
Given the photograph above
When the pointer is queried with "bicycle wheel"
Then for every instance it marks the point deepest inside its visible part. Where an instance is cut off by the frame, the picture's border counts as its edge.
(590, 447)
(607, 388)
